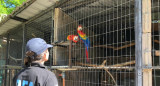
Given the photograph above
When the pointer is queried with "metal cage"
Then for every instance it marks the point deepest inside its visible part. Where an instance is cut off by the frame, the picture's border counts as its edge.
(123, 36)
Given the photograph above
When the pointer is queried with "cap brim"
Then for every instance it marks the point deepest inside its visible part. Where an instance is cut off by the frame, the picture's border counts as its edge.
(41, 51)
(49, 45)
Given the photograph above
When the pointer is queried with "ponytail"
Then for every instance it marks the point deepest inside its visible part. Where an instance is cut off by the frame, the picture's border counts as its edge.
(30, 57)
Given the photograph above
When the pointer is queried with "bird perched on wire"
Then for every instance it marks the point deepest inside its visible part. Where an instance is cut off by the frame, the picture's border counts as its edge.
(85, 40)
(73, 38)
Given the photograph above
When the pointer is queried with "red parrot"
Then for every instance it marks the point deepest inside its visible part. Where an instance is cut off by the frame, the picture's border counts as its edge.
(84, 38)
(74, 38)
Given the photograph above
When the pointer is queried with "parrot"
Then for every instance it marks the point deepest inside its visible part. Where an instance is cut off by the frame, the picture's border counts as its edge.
(73, 38)
(85, 40)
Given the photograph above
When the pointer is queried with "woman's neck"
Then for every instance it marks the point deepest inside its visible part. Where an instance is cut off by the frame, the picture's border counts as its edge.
(40, 61)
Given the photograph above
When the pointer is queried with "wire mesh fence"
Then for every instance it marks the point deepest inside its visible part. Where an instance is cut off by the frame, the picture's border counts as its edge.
(2, 58)
(41, 28)
(10, 54)
(13, 43)
(109, 27)
(7, 75)
(155, 41)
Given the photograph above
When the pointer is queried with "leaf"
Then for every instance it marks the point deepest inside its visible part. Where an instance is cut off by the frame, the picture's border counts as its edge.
(7, 6)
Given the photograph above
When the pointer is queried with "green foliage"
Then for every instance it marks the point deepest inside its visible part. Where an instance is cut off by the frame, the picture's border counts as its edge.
(7, 6)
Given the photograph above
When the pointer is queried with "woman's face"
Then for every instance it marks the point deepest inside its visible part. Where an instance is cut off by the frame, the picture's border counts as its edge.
(46, 55)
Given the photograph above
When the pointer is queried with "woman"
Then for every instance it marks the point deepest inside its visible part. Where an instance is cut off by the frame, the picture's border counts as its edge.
(35, 73)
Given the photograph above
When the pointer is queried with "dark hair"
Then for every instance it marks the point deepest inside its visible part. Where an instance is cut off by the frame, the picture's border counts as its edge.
(31, 57)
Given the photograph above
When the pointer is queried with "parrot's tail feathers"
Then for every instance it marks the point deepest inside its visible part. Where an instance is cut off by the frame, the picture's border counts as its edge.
(88, 42)
(87, 55)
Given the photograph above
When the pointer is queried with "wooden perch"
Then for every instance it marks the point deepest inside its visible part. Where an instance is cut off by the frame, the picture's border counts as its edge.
(10, 67)
(104, 46)
(14, 58)
(115, 65)
(83, 64)
(125, 46)
(62, 43)
(157, 41)
(111, 76)
(68, 69)
(123, 64)
(116, 48)
(102, 65)
(121, 47)
(91, 65)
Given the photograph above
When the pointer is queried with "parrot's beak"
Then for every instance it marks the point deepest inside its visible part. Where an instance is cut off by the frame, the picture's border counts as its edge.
(80, 28)
(75, 39)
